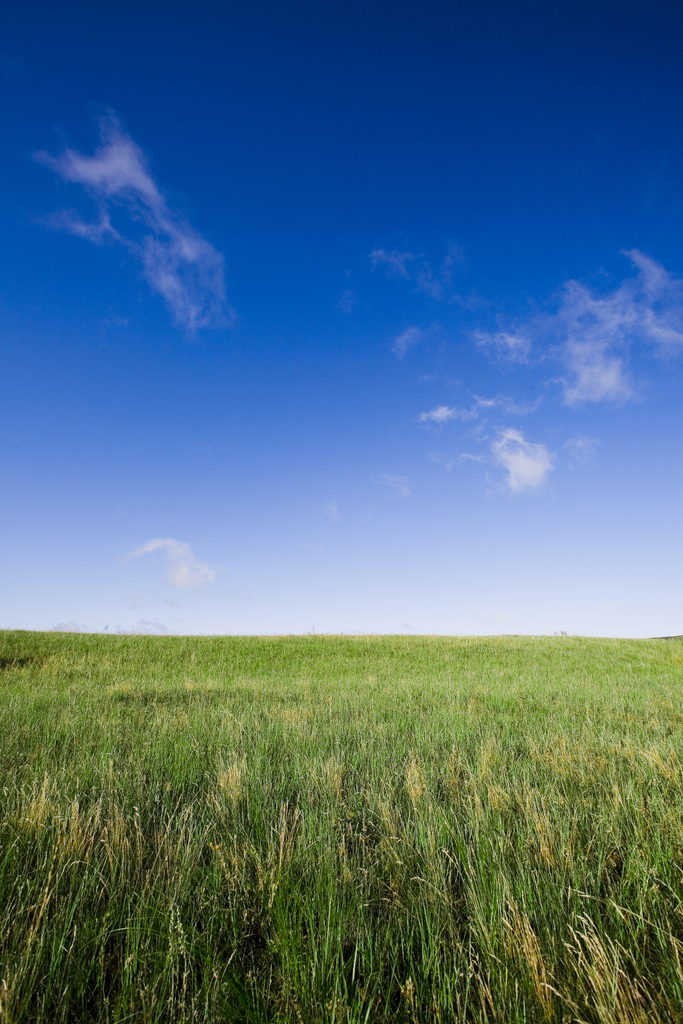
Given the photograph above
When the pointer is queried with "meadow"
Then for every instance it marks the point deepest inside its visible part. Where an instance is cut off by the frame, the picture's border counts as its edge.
(340, 829)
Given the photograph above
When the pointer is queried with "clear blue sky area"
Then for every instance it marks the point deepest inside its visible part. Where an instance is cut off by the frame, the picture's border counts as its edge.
(344, 316)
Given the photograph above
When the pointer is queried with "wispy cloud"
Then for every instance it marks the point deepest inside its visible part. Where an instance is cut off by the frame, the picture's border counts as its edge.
(504, 402)
(507, 345)
(437, 283)
(148, 627)
(177, 262)
(413, 336)
(184, 570)
(397, 262)
(434, 282)
(591, 331)
(448, 460)
(331, 510)
(443, 413)
(496, 616)
(527, 464)
(580, 448)
(398, 483)
(348, 300)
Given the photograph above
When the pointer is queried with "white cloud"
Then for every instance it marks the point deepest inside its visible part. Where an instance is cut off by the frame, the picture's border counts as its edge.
(413, 336)
(442, 414)
(527, 464)
(177, 262)
(331, 510)
(598, 374)
(591, 331)
(184, 570)
(68, 627)
(399, 483)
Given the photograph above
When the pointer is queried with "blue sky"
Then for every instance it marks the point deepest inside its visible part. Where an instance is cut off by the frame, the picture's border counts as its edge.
(345, 317)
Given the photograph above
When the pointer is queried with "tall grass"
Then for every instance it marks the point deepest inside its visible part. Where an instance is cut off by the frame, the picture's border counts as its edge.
(347, 829)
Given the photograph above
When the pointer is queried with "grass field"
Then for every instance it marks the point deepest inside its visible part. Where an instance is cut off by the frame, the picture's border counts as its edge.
(337, 829)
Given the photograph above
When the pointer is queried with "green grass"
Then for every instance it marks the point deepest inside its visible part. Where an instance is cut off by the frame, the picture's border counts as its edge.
(341, 829)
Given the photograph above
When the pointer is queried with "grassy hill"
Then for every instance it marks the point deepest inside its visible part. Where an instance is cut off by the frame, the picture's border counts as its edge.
(340, 829)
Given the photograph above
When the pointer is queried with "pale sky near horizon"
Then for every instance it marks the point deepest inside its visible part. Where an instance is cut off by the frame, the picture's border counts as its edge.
(348, 317)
